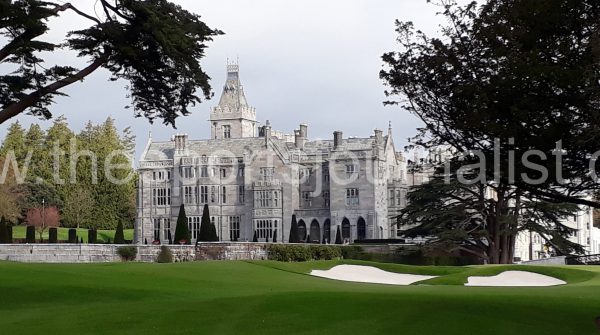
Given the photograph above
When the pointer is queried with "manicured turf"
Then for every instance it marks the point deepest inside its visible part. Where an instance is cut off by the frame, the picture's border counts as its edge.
(232, 297)
(63, 234)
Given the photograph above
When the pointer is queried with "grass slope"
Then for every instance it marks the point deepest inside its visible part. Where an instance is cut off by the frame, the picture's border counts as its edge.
(275, 298)
(63, 234)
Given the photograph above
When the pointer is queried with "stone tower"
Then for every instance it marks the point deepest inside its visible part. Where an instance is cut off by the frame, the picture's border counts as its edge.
(232, 118)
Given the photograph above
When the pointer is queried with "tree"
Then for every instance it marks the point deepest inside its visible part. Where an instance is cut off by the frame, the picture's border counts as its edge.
(11, 196)
(78, 206)
(205, 226)
(213, 233)
(119, 235)
(275, 236)
(42, 219)
(182, 233)
(255, 237)
(30, 234)
(154, 45)
(507, 78)
(73, 235)
(53, 235)
(338, 236)
(3, 231)
(294, 233)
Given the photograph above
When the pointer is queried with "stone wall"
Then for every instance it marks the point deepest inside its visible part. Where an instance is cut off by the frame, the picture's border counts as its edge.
(558, 260)
(100, 253)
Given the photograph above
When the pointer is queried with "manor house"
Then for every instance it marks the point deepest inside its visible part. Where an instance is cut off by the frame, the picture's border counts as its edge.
(254, 179)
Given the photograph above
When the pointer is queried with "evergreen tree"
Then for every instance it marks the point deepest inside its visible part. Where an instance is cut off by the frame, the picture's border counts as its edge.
(30, 234)
(92, 236)
(9, 232)
(53, 235)
(156, 46)
(3, 231)
(14, 141)
(294, 233)
(205, 226)
(182, 233)
(275, 236)
(119, 235)
(338, 236)
(213, 233)
(255, 238)
(72, 235)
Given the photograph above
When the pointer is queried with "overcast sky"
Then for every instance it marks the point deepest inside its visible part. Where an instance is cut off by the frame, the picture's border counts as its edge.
(314, 62)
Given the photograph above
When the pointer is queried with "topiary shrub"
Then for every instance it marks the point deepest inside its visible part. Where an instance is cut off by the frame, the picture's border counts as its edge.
(72, 235)
(182, 233)
(255, 238)
(92, 236)
(53, 235)
(294, 233)
(165, 255)
(9, 234)
(127, 253)
(3, 231)
(119, 236)
(338, 236)
(30, 234)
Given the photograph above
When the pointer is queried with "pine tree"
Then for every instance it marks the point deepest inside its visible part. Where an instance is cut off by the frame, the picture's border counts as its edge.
(294, 238)
(205, 226)
(119, 235)
(213, 233)
(338, 236)
(182, 233)
(255, 238)
(3, 231)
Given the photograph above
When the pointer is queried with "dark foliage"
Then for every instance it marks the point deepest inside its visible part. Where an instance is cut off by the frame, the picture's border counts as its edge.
(119, 234)
(294, 233)
(165, 255)
(182, 233)
(338, 236)
(72, 235)
(92, 236)
(53, 235)
(127, 253)
(30, 234)
(205, 226)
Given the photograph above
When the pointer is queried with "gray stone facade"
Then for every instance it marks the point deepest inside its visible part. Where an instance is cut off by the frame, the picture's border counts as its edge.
(254, 180)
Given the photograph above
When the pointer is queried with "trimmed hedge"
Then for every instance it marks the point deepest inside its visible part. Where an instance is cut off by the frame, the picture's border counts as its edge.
(303, 253)
(127, 253)
(30, 234)
(72, 235)
(53, 235)
(165, 255)
(92, 236)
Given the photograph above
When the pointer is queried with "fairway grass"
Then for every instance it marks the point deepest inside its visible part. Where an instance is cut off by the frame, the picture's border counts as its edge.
(234, 297)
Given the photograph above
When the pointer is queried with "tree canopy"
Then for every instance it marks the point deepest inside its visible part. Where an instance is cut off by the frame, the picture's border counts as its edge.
(154, 45)
(511, 89)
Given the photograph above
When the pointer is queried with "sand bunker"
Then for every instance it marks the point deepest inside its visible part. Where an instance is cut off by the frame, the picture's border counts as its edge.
(368, 274)
(515, 278)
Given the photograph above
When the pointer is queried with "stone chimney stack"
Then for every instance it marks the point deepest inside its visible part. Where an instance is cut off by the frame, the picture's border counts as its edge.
(267, 133)
(337, 139)
(180, 144)
(378, 136)
(300, 136)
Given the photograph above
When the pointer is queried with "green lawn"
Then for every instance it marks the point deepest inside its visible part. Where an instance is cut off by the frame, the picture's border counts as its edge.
(63, 234)
(264, 297)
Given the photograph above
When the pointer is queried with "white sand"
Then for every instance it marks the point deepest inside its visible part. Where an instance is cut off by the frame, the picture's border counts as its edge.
(515, 278)
(368, 274)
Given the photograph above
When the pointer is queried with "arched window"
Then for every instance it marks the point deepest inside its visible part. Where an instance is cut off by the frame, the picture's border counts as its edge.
(361, 229)
(302, 230)
(315, 232)
(346, 229)
(327, 231)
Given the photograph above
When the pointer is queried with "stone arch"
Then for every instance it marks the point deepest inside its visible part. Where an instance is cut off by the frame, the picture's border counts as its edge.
(327, 231)
(301, 230)
(361, 229)
(345, 229)
(315, 231)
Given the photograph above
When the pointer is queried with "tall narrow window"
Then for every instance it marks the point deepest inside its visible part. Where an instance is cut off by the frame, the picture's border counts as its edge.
(224, 194)
(240, 171)
(188, 195)
(213, 194)
(156, 229)
(226, 131)
(352, 196)
(203, 194)
(350, 170)
(266, 174)
(167, 228)
(307, 199)
(241, 194)
(326, 199)
(204, 171)
(234, 228)
(161, 196)
(194, 226)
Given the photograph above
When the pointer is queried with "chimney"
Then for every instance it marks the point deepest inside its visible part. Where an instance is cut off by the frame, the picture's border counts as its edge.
(378, 136)
(337, 139)
(300, 136)
(180, 143)
(267, 133)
